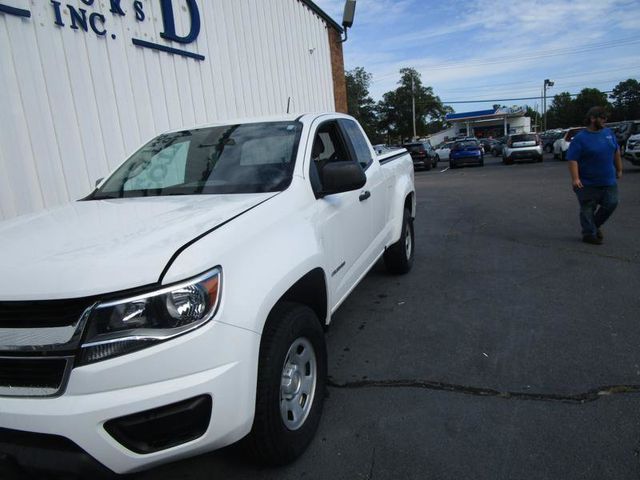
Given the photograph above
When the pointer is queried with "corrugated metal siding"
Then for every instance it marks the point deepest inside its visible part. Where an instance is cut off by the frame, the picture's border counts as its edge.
(73, 105)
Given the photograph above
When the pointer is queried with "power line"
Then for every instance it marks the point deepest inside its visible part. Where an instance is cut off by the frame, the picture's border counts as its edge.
(508, 99)
(542, 54)
(529, 90)
(536, 83)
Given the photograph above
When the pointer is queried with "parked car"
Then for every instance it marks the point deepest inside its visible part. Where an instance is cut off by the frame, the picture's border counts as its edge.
(497, 148)
(422, 154)
(382, 148)
(561, 145)
(522, 146)
(624, 131)
(443, 150)
(548, 140)
(632, 151)
(488, 144)
(466, 152)
(181, 306)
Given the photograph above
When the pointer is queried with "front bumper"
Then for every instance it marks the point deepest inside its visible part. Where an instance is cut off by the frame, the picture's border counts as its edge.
(633, 156)
(217, 360)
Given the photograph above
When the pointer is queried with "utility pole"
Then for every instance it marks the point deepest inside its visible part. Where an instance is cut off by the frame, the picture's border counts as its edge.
(413, 104)
(547, 83)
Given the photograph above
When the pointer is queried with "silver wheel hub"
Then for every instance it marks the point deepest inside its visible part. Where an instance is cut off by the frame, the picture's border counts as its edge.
(298, 383)
(408, 244)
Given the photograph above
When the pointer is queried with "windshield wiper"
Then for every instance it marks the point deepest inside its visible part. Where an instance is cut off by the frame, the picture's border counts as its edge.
(105, 197)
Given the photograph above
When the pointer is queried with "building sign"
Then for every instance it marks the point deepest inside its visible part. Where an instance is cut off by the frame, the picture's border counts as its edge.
(90, 19)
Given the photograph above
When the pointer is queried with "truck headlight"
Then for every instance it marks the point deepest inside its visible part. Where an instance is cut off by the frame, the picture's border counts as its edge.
(124, 326)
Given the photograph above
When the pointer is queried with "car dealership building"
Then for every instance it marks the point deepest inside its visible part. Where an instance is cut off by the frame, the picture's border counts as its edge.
(86, 82)
(493, 123)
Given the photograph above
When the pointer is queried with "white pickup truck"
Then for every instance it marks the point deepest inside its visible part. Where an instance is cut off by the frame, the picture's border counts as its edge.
(181, 306)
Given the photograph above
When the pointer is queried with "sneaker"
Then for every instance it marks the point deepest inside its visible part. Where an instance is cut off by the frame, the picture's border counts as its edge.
(599, 234)
(591, 240)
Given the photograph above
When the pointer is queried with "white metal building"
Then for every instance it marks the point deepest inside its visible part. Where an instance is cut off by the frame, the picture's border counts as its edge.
(85, 82)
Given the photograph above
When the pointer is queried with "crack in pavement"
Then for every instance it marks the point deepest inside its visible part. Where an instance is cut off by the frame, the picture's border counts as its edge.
(373, 464)
(577, 398)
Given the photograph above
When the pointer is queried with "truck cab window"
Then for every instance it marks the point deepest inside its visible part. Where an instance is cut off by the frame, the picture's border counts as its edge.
(358, 142)
(328, 146)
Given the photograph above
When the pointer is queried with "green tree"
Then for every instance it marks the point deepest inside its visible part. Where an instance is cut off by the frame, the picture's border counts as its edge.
(587, 98)
(361, 105)
(561, 112)
(626, 100)
(395, 108)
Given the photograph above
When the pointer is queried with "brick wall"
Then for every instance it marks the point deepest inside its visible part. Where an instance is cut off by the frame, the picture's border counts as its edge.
(337, 67)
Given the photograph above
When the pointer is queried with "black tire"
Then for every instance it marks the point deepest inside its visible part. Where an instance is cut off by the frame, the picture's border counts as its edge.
(427, 165)
(437, 159)
(396, 258)
(452, 165)
(563, 156)
(271, 442)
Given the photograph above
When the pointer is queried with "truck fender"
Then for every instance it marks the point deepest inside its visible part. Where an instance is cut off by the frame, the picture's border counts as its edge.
(403, 195)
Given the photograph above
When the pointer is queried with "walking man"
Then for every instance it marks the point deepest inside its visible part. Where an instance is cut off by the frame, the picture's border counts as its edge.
(595, 165)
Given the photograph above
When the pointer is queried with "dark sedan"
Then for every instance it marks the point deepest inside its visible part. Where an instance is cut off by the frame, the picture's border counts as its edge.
(422, 154)
(498, 146)
(548, 140)
(466, 152)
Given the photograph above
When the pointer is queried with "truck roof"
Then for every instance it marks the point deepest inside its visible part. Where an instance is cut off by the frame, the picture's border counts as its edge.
(287, 117)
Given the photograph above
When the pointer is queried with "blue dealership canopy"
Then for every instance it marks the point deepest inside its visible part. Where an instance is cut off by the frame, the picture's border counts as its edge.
(485, 114)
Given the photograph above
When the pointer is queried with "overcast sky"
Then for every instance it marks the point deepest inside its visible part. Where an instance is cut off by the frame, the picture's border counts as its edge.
(492, 49)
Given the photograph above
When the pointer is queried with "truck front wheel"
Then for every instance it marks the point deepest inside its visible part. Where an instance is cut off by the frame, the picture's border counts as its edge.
(398, 258)
(292, 374)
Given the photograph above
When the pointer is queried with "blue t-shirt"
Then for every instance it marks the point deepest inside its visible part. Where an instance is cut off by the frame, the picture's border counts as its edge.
(594, 152)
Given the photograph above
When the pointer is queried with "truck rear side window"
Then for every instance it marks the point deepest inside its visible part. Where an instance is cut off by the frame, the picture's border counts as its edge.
(358, 141)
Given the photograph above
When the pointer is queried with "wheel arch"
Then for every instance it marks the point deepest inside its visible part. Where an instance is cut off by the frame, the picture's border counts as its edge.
(309, 290)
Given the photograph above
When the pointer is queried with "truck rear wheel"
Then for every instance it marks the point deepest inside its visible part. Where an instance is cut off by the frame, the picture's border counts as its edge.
(292, 374)
(398, 258)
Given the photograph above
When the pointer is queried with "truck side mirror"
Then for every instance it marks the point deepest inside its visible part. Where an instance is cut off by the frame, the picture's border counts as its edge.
(338, 177)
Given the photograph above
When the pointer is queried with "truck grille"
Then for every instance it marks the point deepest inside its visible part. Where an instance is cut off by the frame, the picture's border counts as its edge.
(42, 314)
(32, 376)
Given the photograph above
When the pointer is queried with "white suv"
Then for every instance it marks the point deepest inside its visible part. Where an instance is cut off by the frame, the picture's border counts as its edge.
(632, 152)
(561, 145)
(522, 146)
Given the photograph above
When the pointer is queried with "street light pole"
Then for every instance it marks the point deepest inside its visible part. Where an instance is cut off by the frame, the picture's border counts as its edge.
(413, 104)
(547, 83)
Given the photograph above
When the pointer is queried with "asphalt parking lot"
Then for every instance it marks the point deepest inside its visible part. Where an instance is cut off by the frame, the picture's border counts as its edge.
(510, 351)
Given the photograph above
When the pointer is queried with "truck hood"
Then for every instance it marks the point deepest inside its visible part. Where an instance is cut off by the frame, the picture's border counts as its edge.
(96, 247)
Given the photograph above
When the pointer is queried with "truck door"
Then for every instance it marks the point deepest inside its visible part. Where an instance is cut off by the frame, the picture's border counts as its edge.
(378, 186)
(344, 219)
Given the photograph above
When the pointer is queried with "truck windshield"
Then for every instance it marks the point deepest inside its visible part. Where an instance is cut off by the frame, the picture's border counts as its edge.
(245, 158)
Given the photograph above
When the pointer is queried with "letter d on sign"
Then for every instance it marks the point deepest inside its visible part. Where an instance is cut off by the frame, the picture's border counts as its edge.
(170, 23)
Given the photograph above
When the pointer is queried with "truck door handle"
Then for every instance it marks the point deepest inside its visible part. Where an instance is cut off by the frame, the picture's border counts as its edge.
(364, 195)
